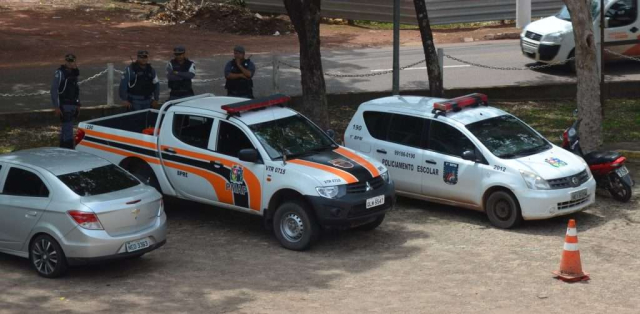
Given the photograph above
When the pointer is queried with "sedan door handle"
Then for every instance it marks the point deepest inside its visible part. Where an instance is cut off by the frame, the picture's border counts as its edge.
(381, 151)
(431, 161)
(169, 150)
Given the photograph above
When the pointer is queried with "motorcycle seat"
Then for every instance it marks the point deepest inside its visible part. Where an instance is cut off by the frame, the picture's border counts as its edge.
(594, 158)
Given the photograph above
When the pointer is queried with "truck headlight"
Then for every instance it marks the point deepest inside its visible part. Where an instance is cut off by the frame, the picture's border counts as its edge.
(554, 38)
(385, 176)
(332, 191)
(534, 181)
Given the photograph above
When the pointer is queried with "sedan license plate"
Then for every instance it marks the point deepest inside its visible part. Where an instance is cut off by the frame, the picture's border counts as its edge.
(137, 245)
(622, 171)
(577, 195)
(375, 201)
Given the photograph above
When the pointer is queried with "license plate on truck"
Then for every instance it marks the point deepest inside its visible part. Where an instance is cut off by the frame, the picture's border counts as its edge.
(138, 245)
(577, 195)
(375, 201)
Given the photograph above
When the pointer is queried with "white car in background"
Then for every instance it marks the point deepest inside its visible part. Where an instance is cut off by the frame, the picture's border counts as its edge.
(62, 207)
(462, 152)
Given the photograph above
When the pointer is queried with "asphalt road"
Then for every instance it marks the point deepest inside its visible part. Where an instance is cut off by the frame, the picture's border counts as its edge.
(505, 53)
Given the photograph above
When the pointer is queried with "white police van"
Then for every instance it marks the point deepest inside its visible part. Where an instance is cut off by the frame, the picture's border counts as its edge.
(462, 152)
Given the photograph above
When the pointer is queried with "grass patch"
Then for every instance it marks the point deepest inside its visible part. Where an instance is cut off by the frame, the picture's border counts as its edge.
(382, 25)
(23, 138)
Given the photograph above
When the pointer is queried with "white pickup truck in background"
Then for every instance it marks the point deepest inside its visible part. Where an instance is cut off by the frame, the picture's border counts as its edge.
(247, 155)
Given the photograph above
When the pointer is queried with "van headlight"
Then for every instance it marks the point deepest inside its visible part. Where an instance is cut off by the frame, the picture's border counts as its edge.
(385, 176)
(534, 181)
(586, 166)
(554, 38)
(335, 191)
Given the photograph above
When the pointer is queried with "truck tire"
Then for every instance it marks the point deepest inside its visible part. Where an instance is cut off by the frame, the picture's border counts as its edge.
(295, 227)
(503, 210)
(371, 225)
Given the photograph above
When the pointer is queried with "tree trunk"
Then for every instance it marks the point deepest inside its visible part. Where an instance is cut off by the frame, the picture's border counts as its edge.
(436, 88)
(588, 98)
(305, 17)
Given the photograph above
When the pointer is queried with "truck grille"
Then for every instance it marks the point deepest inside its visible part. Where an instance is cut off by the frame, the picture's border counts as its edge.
(570, 181)
(570, 204)
(361, 187)
(533, 36)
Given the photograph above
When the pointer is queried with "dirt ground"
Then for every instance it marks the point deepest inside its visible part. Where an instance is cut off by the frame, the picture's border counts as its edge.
(425, 258)
(41, 32)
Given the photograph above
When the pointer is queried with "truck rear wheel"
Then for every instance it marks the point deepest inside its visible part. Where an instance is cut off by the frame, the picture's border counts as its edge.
(295, 227)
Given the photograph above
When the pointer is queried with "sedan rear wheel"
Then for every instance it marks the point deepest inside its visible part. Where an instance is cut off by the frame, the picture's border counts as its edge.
(47, 257)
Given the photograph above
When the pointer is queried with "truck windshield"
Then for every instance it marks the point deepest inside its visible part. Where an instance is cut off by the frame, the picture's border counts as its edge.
(595, 10)
(507, 137)
(292, 136)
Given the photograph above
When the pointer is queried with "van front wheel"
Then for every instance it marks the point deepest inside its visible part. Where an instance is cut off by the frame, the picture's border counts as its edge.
(503, 210)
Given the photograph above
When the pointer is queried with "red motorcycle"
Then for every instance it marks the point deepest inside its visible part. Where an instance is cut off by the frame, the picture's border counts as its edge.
(607, 167)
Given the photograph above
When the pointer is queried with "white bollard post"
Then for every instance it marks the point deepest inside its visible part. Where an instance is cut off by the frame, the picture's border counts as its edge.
(523, 13)
(110, 84)
(275, 74)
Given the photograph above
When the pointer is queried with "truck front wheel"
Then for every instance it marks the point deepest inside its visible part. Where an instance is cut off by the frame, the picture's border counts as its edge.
(295, 227)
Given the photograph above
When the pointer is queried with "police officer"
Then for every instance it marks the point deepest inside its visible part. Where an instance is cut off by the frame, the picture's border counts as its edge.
(139, 86)
(180, 72)
(64, 98)
(238, 73)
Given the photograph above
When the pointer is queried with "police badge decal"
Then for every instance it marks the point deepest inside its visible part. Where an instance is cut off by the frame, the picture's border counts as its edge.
(341, 163)
(450, 173)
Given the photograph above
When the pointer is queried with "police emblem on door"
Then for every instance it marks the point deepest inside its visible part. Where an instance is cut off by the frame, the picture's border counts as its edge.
(237, 175)
(450, 173)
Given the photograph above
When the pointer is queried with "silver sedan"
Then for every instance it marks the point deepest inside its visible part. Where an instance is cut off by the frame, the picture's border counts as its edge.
(61, 207)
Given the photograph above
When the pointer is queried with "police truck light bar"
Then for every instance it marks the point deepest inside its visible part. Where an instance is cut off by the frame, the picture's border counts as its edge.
(272, 100)
(459, 103)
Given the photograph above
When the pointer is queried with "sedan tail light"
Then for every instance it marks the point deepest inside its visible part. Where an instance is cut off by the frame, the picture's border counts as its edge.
(86, 220)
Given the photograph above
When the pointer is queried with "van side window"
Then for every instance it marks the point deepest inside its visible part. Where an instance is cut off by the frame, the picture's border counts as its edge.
(405, 130)
(192, 130)
(231, 140)
(622, 13)
(24, 183)
(377, 123)
(447, 140)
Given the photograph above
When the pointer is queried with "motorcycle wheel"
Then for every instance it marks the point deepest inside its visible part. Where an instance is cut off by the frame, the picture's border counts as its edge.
(619, 190)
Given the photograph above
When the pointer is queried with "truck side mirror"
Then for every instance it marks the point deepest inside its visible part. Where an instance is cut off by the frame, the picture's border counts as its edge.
(469, 155)
(248, 155)
(331, 133)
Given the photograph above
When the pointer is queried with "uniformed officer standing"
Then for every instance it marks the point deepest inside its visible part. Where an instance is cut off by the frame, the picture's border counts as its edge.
(139, 86)
(238, 73)
(180, 72)
(64, 98)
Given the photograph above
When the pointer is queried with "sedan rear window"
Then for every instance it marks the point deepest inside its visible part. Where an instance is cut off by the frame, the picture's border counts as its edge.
(101, 180)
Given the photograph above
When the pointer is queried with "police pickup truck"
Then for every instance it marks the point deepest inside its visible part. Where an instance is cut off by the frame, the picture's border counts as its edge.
(247, 155)
(462, 152)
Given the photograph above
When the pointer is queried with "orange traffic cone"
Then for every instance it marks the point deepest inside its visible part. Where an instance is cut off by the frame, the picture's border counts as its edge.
(570, 265)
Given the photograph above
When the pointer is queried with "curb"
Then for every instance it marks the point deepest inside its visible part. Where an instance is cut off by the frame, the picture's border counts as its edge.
(632, 155)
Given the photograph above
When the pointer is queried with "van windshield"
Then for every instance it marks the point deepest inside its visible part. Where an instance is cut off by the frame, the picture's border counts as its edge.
(595, 10)
(507, 137)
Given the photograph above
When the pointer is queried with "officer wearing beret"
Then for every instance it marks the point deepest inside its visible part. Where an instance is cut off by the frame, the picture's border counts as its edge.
(64, 98)
(238, 73)
(139, 86)
(180, 72)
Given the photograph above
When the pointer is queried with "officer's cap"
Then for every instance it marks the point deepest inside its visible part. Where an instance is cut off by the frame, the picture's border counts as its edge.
(70, 57)
(239, 49)
(143, 53)
(179, 50)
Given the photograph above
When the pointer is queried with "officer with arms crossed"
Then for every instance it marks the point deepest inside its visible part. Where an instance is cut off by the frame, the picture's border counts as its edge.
(180, 72)
(64, 98)
(139, 86)
(238, 73)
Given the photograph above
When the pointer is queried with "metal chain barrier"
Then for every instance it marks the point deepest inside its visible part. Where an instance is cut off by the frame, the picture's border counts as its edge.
(617, 54)
(89, 79)
(535, 67)
(359, 75)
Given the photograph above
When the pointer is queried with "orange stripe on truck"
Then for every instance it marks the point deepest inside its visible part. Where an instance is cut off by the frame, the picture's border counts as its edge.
(359, 160)
(217, 182)
(120, 139)
(340, 173)
(119, 152)
(253, 184)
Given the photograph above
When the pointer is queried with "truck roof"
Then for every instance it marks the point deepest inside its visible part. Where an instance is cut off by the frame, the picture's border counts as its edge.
(215, 103)
(424, 105)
